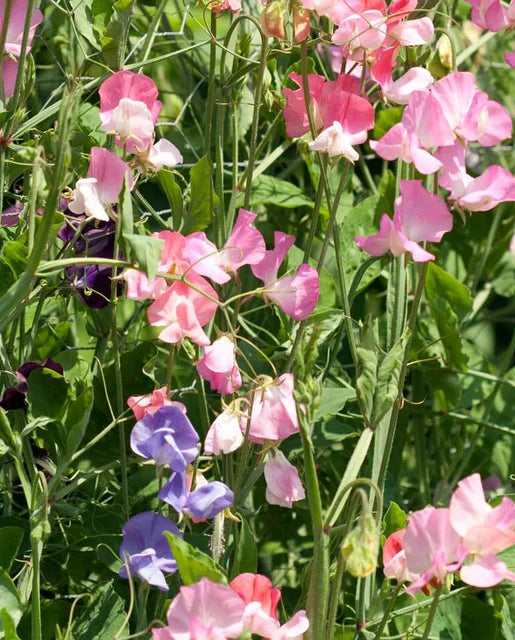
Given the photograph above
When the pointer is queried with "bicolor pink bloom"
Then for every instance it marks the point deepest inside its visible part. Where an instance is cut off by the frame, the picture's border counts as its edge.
(102, 187)
(253, 587)
(485, 531)
(483, 193)
(432, 547)
(283, 485)
(245, 245)
(394, 558)
(203, 611)
(129, 108)
(163, 154)
(183, 311)
(360, 32)
(419, 216)
(219, 367)
(15, 28)
(217, 6)
(152, 402)
(225, 435)
(492, 14)
(400, 90)
(295, 295)
(274, 414)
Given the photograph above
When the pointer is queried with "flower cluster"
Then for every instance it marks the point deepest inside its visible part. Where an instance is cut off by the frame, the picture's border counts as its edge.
(465, 537)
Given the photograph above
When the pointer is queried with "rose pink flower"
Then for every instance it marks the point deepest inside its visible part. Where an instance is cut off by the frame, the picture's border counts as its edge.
(225, 435)
(419, 216)
(152, 402)
(253, 587)
(244, 246)
(15, 28)
(183, 311)
(432, 547)
(510, 58)
(394, 558)
(360, 32)
(217, 6)
(295, 295)
(283, 485)
(9, 73)
(219, 367)
(400, 90)
(207, 608)
(102, 187)
(274, 414)
(491, 14)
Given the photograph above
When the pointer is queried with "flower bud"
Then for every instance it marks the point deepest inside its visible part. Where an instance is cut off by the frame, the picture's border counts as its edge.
(360, 547)
(272, 19)
(301, 22)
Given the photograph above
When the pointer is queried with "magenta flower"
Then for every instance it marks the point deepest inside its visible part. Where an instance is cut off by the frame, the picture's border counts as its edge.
(283, 485)
(274, 414)
(419, 216)
(218, 366)
(145, 550)
(167, 437)
(150, 403)
(295, 295)
(94, 195)
(225, 435)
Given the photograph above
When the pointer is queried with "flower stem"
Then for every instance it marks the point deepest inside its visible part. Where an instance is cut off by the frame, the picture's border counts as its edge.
(432, 612)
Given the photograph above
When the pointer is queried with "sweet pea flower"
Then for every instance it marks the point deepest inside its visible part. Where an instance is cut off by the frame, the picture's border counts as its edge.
(485, 531)
(204, 607)
(163, 154)
(492, 14)
(150, 403)
(145, 550)
(394, 558)
(419, 216)
(218, 366)
(10, 216)
(360, 32)
(400, 90)
(295, 295)
(94, 195)
(245, 245)
(510, 58)
(283, 485)
(225, 435)
(433, 548)
(206, 501)
(483, 193)
(217, 6)
(167, 437)
(274, 415)
(253, 587)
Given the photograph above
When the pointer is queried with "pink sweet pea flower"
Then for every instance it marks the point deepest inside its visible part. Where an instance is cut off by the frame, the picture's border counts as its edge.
(253, 587)
(183, 311)
(203, 611)
(432, 547)
(295, 295)
(150, 403)
(14, 33)
(419, 216)
(491, 14)
(225, 435)
(415, 79)
(295, 115)
(102, 187)
(217, 6)
(274, 413)
(9, 72)
(394, 558)
(360, 32)
(244, 246)
(483, 193)
(510, 58)
(163, 154)
(283, 485)
(219, 367)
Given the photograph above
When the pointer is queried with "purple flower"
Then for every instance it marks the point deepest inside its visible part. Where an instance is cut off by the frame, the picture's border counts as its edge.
(167, 437)
(14, 397)
(175, 491)
(11, 216)
(145, 548)
(208, 500)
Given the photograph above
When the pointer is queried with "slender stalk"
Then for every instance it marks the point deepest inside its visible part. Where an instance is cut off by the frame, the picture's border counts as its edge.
(333, 601)
(210, 103)
(152, 30)
(388, 611)
(36, 551)
(432, 612)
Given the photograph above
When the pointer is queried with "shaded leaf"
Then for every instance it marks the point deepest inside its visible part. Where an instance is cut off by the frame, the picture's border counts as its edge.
(203, 199)
(245, 558)
(102, 617)
(48, 393)
(10, 540)
(387, 388)
(144, 252)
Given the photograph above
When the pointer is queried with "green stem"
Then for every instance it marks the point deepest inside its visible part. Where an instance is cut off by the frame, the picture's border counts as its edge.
(210, 103)
(152, 29)
(333, 602)
(432, 612)
(36, 551)
(388, 611)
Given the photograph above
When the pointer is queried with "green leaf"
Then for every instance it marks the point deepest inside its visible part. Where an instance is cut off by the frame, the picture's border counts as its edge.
(245, 559)
(174, 196)
(10, 540)
(333, 401)
(144, 252)
(76, 422)
(102, 617)
(440, 284)
(387, 388)
(8, 626)
(82, 16)
(504, 614)
(366, 371)
(270, 190)
(508, 557)
(394, 519)
(48, 393)
(385, 120)
(478, 621)
(9, 600)
(117, 31)
(203, 199)
(192, 564)
(446, 387)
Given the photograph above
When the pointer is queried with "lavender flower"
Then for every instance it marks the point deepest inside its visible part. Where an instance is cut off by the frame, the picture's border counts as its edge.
(145, 549)
(167, 437)
(208, 500)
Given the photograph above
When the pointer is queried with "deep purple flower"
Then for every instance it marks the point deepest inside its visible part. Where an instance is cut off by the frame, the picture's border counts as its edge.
(92, 284)
(167, 437)
(208, 500)
(11, 216)
(145, 548)
(14, 397)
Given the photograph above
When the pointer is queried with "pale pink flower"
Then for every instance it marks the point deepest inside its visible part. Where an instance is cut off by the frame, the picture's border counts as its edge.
(14, 33)
(295, 295)
(432, 547)
(419, 216)
(483, 193)
(492, 14)
(400, 90)
(9, 72)
(245, 245)
(132, 121)
(394, 558)
(274, 413)
(207, 608)
(219, 367)
(225, 435)
(183, 311)
(294, 629)
(217, 6)
(360, 32)
(283, 485)
(102, 187)
(152, 402)
(163, 154)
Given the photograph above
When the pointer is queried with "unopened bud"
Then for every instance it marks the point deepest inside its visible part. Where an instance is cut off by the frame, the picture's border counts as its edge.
(272, 19)
(360, 548)
(301, 22)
